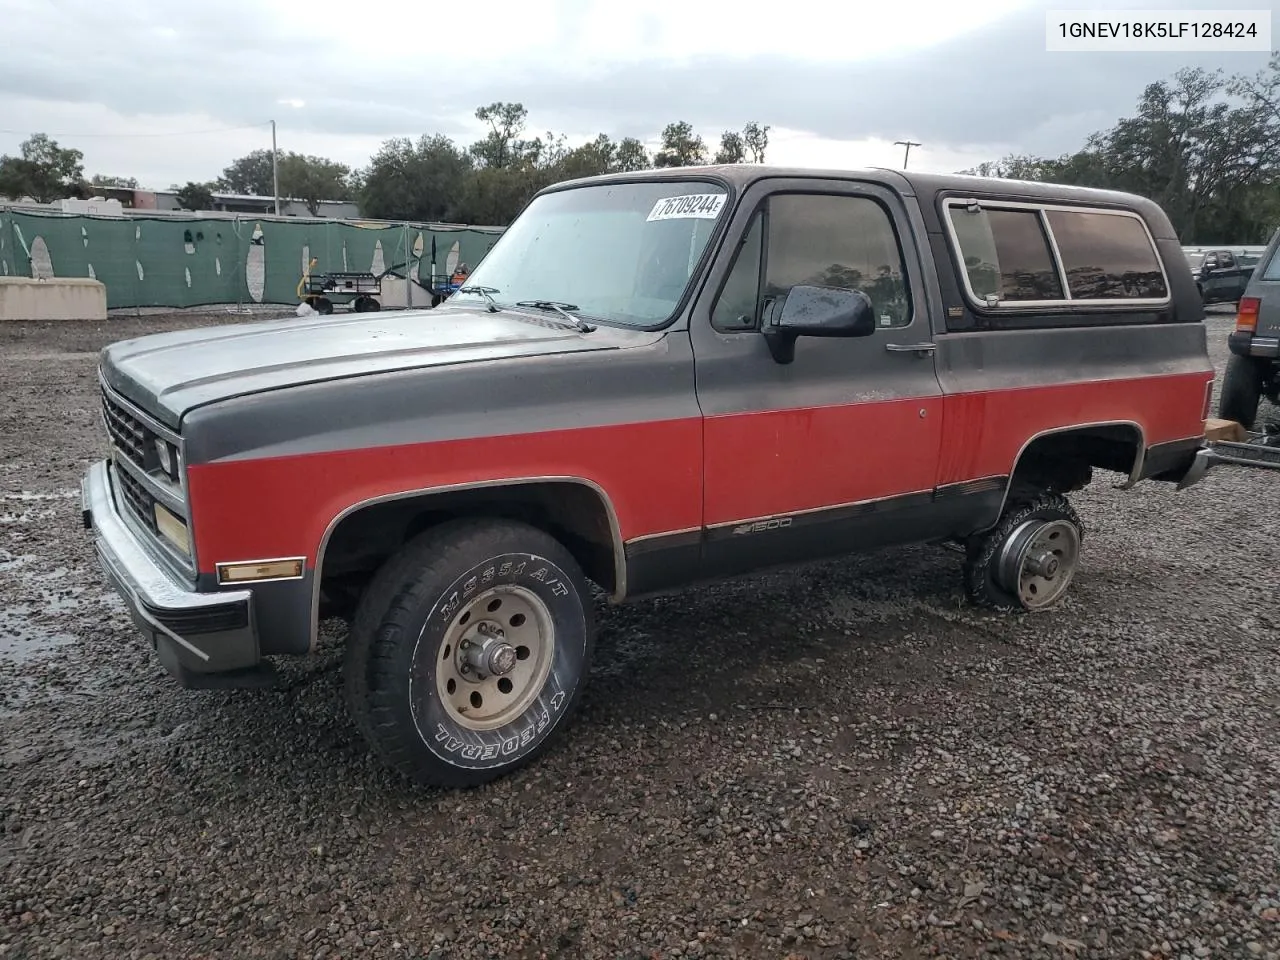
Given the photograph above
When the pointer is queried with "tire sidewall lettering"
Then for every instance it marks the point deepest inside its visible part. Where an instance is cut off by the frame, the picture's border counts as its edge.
(501, 746)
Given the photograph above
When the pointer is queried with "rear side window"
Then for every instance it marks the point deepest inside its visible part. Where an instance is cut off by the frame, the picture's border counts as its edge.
(1006, 254)
(1028, 254)
(1106, 256)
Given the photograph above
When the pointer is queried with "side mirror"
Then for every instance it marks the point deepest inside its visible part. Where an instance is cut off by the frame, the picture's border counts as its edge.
(809, 311)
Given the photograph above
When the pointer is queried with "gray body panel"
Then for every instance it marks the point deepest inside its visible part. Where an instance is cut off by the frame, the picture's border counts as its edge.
(631, 375)
(171, 373)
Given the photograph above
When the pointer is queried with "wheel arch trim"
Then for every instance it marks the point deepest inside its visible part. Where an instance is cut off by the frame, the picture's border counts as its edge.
(1135, 473)
(617, 545)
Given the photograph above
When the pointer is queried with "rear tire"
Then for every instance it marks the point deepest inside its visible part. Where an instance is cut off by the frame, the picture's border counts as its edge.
(468, 651)
(1241, 391)
(1027, 561)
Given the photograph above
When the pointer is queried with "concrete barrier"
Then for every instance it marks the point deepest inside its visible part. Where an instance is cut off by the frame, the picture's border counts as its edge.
(69, 298)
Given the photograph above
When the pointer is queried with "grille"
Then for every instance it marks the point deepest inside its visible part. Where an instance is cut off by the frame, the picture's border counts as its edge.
(127, 432)
(139, 501)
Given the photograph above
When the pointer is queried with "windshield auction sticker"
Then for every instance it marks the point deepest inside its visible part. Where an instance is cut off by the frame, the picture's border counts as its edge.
(697, 206)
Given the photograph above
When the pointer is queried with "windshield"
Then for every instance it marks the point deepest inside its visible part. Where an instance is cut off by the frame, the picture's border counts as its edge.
(621, 252)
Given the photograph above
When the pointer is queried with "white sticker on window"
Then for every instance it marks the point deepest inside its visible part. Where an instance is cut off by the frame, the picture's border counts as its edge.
(697, 206)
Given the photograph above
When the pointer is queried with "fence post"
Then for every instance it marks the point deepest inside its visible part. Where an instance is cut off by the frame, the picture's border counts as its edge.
(408, 259)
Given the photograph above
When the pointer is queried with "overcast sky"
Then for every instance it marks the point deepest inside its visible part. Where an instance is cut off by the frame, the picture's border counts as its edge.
(152, 88)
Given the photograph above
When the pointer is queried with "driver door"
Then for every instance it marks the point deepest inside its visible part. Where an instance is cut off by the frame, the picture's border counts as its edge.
(838, 449)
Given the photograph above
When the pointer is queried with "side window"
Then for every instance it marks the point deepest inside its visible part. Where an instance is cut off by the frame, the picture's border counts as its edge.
(837, 241)
(1006, 254)
(1272, 269)
(739, 301)
(1106, 256)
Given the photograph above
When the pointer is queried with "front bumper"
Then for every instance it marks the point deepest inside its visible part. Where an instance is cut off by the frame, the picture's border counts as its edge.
(196, 636)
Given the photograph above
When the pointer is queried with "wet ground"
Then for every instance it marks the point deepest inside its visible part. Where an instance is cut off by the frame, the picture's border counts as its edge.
(836, 762)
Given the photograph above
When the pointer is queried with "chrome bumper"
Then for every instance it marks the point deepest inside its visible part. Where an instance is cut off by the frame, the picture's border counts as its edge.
(193, 633)
(1258, 455)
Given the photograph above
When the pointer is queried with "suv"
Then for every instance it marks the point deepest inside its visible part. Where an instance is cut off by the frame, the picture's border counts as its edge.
(1253, 368)
(653, 379)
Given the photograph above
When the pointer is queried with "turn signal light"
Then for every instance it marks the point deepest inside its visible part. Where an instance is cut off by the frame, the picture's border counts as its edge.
(1247, 314)
(259, 570)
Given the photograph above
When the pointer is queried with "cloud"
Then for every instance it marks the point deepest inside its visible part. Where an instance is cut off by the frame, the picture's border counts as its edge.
(836, 79)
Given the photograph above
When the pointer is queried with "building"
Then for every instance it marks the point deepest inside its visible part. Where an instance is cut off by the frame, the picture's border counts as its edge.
(113, 201)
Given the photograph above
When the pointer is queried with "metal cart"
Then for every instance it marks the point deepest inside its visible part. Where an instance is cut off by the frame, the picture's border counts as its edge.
(321, 291)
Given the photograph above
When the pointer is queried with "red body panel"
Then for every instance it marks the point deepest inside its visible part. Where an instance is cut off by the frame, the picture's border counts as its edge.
(785, 461)
(280, 506)
(652, 472)
(984, 431)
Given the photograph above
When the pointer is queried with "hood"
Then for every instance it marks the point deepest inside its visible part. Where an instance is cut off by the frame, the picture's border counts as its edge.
(169, 374)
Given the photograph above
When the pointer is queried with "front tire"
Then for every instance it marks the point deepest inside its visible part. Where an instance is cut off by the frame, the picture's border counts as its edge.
(1241, 391)
(468, 651)
(1027, 561)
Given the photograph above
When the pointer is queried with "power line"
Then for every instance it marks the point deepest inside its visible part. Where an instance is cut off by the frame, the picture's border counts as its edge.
(908, 144)
(189, 133)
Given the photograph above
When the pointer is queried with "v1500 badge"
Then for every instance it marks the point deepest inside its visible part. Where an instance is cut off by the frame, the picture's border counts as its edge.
(761, 526)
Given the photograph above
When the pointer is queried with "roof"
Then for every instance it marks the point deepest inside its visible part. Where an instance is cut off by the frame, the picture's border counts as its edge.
(910, 181)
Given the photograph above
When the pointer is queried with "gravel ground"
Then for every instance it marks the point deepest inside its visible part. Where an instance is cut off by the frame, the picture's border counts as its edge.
(839, 762)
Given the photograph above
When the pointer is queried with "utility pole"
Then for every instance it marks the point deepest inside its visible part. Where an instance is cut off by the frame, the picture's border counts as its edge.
(908, 144)
(275, 168)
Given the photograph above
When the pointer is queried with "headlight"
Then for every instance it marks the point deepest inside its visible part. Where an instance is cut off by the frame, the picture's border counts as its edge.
(168, 458)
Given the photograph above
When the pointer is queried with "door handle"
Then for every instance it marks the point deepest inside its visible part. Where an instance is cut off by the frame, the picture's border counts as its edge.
(921, 348)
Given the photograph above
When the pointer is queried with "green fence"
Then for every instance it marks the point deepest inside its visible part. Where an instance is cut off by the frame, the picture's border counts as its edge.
(169, 262)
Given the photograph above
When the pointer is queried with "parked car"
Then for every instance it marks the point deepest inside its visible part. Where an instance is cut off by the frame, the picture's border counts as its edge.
(1221, 275)
(1253, 368)
(745, 367)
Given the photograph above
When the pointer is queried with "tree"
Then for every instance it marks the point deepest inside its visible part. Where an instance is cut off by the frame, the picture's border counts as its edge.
(749, 145)
(591, 159)
(423, 181)
(733, 149)
(500, 147)
(44, 171)
(313, 179)
(756, 139)
(1201, 145)
(681, 147)
(195, 196)
(250, 175)
(631, 155)
(491, 180)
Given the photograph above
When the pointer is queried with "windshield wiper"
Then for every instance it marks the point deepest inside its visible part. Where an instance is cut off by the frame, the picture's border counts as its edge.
(561, 308)
(486, 292)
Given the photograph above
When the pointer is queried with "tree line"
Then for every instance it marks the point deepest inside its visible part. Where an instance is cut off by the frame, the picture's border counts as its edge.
(1202, 144)
(431, 178)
